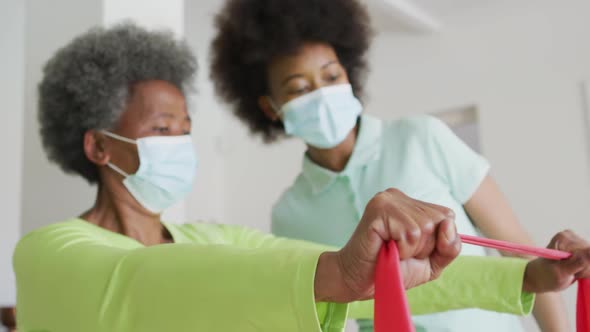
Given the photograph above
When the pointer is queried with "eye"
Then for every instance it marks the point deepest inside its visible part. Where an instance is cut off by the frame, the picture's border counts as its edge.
(161, 130)
(334, 78)
(299, 91)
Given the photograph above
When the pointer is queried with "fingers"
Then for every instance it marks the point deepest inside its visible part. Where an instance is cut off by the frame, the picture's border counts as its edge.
(411, 231)
(581, 261)
(435, 211)
(448, 213)
(412, 223)
(565, 272)
(567, 241)
(407, 234)
(577, 266)
(448, 246)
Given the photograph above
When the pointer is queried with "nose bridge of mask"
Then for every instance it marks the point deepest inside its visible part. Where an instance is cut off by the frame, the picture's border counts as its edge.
(155, 150)
(300, 106)
(314, 95)
(336, 88)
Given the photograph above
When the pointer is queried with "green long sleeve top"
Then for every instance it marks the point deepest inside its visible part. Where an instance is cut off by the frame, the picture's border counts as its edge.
(74, 276)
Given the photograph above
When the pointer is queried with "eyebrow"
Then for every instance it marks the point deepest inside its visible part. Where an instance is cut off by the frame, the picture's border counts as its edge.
(169, 115)
(329, 63)
(290, 77)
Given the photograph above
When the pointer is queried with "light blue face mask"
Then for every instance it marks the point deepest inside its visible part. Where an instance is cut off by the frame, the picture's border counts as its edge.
(167, 168)
(322, 118)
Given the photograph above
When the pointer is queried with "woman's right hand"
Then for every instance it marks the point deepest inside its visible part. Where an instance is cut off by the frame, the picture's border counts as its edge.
(425, 235)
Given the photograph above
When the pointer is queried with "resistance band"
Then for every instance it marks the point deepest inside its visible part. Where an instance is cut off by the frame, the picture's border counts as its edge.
(392, 313)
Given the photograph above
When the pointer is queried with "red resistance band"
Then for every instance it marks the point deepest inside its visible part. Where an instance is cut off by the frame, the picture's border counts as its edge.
(583, 306)
(392, 312)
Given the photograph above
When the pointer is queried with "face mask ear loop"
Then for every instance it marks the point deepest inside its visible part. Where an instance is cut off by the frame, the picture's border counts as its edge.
(117, 169)
(276, 109)
(118, 137)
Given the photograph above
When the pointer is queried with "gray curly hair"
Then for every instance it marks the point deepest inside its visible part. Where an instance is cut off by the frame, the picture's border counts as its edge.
(86, 85)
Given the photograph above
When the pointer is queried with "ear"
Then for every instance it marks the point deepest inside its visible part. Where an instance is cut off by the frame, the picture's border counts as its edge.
(95, 147)
(267, 109)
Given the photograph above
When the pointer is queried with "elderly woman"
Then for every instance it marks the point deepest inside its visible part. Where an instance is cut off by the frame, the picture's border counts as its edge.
(301, 72)
(113, 111)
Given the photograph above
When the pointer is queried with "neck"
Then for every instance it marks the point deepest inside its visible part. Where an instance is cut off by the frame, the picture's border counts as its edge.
(336, 158)
(117, 211)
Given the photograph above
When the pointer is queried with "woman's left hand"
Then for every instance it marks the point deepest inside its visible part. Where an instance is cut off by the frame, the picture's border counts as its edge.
(543, 275)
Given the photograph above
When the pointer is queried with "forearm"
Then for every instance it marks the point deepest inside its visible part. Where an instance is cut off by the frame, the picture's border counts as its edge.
(488, 283)
(550, 313)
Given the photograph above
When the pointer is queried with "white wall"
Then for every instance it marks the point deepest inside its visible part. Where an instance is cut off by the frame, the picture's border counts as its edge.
(12, 30)
(153, 14)
(207, 201)
(48, 195)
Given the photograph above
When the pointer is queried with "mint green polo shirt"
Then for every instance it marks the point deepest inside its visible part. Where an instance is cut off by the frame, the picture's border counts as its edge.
(420, 156)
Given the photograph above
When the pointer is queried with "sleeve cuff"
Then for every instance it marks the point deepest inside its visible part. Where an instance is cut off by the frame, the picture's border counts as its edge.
(513, 282)
(477, 174)
(325, 317)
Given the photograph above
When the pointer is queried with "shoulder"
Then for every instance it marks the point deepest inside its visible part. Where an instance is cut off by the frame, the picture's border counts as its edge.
(51, 239)
(292, 203)
(59, 230)
(293, 196)
(413, 134)
(419, 126)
